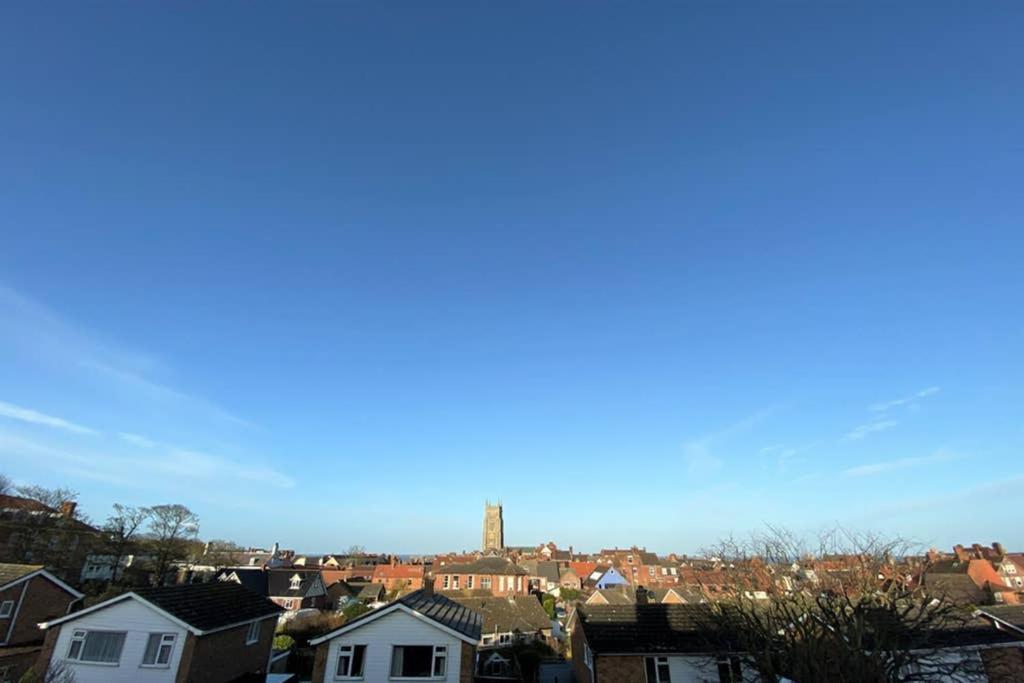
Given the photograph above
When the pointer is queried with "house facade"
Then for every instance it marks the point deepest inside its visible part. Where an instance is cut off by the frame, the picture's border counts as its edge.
(494, 574)
(196, 633)
(396, 576)
(419, 636)
(28, 595)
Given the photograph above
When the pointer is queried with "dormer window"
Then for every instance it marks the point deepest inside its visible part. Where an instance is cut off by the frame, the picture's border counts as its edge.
(296, 582)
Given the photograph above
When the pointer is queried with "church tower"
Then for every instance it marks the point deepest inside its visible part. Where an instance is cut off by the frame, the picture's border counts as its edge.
(494, 527)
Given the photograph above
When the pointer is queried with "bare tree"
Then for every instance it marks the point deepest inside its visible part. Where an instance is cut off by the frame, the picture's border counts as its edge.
(122, 529)
(220, 553)
(53, 498)
(848, 611)
(171, 530)
(6, 485)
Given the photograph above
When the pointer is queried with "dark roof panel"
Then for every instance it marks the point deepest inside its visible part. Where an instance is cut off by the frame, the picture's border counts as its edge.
(209, 606)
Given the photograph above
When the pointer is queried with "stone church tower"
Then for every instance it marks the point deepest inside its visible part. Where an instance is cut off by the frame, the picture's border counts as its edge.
(494, 528)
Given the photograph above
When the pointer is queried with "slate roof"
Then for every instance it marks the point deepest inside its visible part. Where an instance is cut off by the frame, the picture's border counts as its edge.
(651, 628)
(548, 570)
(254, 579)
(370, 591)
(956, 587)
(13, 572)
(1011, 614)
(522, 613)
(485, 565)
(209, 606)
(279, 582)
(437, 608)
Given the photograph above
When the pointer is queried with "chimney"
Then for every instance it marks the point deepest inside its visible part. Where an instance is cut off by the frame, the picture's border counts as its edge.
(998, 547)
(960, 553)
(394, 560)
(67, 509)
(428, 584)
(642, 595)
(976, 547)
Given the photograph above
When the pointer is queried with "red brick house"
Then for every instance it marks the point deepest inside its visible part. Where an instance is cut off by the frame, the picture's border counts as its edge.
(494, 574)
(34, 533)
(396, 576)
(193, 633)
(28, 595)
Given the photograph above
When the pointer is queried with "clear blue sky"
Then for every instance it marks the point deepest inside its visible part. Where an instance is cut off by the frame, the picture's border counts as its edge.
(336, 274)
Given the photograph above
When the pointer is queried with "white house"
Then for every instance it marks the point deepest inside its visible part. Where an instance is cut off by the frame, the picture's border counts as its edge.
(212, 631)
(419, 636)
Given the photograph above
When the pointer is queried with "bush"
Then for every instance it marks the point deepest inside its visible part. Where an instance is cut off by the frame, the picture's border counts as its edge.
(283, 642)
(304, 628)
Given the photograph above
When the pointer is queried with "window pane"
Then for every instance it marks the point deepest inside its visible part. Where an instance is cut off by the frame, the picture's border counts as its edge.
(412, 661)
(358, 656)
(103, 646)
(152, 645)
(652, 676)
(165, 653)
(343, 662)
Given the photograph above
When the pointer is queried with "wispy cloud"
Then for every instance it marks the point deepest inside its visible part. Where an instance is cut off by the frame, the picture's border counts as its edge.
(897, 464)
(860, 431)
(34, 417)
(159, 463)
(883, 406)
(699, 455)
(37, 330)
(136, 440)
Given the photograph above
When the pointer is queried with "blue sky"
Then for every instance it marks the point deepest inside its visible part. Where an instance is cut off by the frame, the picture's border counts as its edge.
(336, 274)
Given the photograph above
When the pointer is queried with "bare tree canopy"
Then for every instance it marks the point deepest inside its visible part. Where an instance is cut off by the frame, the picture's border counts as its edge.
(172, 528)
(849, 609)
(6, 485)
(53, 498)
(122, 529)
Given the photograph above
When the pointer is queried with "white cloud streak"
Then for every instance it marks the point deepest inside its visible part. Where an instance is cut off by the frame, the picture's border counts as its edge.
(883, 406)
(30, 416)
(861, 431)
(887, 466)
(698, 454)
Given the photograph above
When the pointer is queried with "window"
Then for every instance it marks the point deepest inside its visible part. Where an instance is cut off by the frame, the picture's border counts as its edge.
(446, 580)
(455, 582)
(469, 581)
(588, 656)
(350, 661)
(253, 634)
(296, 582)
(657, 670)
(729, 670)
(158, 649)
(485, 582)
(96, 647)
(519, 583)
(419, 661)
(6, 608)
(505, 639)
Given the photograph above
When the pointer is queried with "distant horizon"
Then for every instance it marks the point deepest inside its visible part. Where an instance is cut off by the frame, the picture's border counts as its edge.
(652, 275)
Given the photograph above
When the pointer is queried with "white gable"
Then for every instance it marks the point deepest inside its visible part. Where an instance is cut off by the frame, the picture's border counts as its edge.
(137, 621)
(395, 628)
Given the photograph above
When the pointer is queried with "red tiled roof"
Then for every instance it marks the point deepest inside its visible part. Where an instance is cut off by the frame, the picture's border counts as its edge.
(583, 569)
(398, 571)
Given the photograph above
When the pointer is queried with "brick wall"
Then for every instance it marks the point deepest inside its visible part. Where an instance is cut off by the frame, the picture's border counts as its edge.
(520, 584)
(467, 665)
(620, 669)
(320, 662)
(1004, 664)
(578, 664)
(224, 655)
(43, 600)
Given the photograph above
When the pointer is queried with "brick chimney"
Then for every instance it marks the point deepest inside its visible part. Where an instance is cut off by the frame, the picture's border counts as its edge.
(642, 595)
(67, 509)
(976, 547)
(428, 584)
(960, 553)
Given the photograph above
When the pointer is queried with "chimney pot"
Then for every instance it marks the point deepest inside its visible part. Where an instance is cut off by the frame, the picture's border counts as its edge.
(67, 509)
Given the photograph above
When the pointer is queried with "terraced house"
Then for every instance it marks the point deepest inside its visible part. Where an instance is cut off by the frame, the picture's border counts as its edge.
(494, 574)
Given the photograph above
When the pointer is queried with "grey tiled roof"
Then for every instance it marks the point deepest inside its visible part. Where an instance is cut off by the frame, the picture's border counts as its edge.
(503, 615)
(13, 572)
(647, 628)
(437, 608)
(485, 565)
(208, 606)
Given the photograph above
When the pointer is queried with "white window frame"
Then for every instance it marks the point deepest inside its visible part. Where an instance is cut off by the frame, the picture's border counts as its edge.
(658, 662)
(6, 609)
(252, 634)
(350, 652)
(80, 635)
(167, 640)
(455, 582)
(485, 582)
(469, 581)
(439, 653)
(447, 581)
